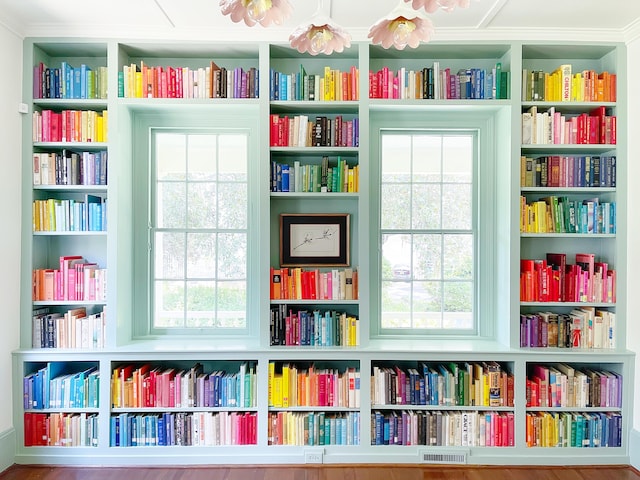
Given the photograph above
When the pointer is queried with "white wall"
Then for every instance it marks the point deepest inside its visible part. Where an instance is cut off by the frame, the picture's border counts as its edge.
(10, 198)
(633, 222)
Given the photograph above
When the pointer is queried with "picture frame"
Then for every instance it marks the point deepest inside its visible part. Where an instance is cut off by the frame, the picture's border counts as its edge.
(314, 240)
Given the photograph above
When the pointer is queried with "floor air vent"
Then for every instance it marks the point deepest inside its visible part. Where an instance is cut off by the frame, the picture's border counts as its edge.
(444, 457)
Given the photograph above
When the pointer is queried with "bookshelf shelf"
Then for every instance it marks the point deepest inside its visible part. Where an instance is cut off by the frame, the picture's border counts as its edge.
(114, 250)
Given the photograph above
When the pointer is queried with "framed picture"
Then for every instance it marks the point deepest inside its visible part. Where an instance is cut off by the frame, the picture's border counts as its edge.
(320, 239)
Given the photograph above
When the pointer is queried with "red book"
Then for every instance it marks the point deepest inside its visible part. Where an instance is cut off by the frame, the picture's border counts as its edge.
(558, 262)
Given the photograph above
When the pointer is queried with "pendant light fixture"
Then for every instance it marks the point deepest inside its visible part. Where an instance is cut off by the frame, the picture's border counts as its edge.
(401, 27)
(320, 34)
(264, 12)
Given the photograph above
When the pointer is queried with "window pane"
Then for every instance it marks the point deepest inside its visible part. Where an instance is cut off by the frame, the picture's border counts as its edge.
(396, 150)
(170, 255)
(396, 256)
(458, 305)
(456, 206)
(232, 256)
(169, 306)
(396, 305)
(201, 304)
(232, 301)
(458, 257)
(171, 208)
(395, 206)
(170, 156)
(458, 158)
(202, 205)
(202, 157)
(233, 158)
(426, 206)
(232, 200)
(427, 155)
(427, 257)
(201, 255)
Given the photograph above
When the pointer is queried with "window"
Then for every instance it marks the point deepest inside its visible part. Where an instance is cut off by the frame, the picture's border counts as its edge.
(199, 230)
(427, 230)
(194, 230)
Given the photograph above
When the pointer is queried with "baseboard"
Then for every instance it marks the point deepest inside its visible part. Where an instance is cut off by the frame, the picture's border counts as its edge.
(634, 449)
(7, 449)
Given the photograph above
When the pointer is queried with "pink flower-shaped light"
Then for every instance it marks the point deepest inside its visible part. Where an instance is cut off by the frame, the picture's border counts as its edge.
(433, 5)
(264, 12)
(401, 27)
(321, 34)
(318, 38)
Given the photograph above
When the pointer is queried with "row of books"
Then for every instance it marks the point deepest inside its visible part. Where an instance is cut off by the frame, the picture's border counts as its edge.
(70, 126)
(72, 329)
(297, 283)
(436, 83)
(585, 327)
(329, 328)
(443, 428)
(314, 177)
(69, 82)
(568, 171)
(310, 386)
(69, 215)
(571, 429)
(314, 428)
(183, 428)
(469, 384)
(76, 280)
(566, 85)
(212, 81)
(70, 168)
(552, 279)
(60, 429)
(53, 386)
(561, 385)
(301, 131)
(554, 214)
(331, 85)
(135, 386)
(551, 127)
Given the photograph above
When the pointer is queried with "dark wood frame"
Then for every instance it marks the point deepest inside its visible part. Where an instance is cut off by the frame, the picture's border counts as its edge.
(332, 229)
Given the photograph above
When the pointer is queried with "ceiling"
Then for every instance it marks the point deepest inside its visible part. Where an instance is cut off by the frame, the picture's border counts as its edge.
(613, 20)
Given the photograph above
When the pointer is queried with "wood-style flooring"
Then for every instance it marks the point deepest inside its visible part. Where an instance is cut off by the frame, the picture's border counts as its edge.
(324, 472)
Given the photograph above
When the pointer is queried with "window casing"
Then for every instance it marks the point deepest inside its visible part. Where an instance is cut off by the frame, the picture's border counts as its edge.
(194, 275)
(433, 221)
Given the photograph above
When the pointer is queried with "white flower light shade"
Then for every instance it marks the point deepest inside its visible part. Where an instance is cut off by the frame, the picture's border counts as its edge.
(433, 5)
(321, 34)
(402, 27)
(264, 12)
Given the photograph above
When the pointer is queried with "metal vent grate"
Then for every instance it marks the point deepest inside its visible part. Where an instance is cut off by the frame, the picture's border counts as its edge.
(441, 457)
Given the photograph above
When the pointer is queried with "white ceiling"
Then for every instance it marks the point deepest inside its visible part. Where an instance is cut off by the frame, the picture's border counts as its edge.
(615, 20)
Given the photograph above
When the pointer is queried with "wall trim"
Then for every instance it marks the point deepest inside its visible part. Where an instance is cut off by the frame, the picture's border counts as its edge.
(7, 448)
(634, 449)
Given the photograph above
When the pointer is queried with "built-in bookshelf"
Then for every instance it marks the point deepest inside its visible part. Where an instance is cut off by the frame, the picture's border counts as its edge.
(311, 382)
(183, 404)
(569, 200)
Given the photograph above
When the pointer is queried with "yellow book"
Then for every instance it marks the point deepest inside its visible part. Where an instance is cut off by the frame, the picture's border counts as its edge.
(271, 375)
(99, 128)
(276, 391)
(485, 389)
(327, 84)
(105, 125)
(350, 181)
(285, 385)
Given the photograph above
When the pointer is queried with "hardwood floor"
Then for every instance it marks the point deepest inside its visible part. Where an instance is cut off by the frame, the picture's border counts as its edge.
(324, 472)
